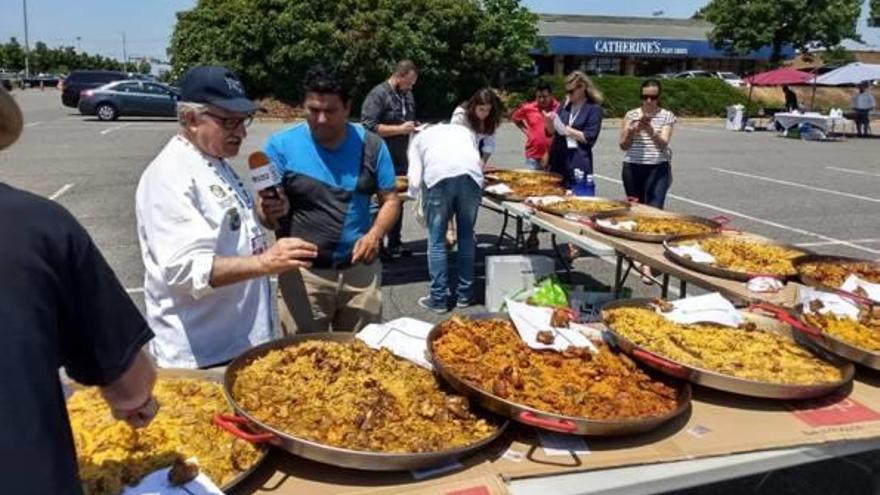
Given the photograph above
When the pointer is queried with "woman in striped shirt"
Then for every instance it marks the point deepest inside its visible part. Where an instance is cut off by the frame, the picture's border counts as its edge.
(644, 137)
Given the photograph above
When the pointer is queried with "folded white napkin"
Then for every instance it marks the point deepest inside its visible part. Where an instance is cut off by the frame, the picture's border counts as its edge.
(404, 337)
(499, 189)
(529, 320)
(832, 303)
(764, 284)
(708, 308)
(157, 483)
(694, 252)
(853, 283)
(627, 225)
(544, 200)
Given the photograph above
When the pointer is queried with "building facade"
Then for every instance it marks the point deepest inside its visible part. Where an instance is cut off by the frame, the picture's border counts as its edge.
(634, 46)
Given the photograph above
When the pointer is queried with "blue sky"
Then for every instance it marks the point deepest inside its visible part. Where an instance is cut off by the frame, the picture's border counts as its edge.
(148, 23)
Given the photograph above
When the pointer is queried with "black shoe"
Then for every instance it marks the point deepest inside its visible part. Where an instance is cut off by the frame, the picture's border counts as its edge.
(430, 305)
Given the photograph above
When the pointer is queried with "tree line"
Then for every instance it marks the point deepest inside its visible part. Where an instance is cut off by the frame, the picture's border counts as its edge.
(60, 60)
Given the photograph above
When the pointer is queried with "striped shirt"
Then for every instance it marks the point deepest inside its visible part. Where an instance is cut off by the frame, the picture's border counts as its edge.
(643, 149)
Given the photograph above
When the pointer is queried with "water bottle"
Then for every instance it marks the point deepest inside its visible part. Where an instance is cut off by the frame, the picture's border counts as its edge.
(583, 184)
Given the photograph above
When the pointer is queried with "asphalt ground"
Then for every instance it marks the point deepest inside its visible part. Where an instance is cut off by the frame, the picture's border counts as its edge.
(825, 196)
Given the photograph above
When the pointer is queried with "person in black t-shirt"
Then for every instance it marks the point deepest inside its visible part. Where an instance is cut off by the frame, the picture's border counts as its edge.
(60, 306)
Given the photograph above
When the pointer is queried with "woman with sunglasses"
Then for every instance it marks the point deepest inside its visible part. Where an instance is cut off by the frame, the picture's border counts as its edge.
(644, 137)
(577, 128)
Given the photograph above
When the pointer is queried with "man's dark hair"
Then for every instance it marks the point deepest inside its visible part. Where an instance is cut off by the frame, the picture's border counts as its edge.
(652, 83)
(326, 82)
(404, 67)
(543, 86)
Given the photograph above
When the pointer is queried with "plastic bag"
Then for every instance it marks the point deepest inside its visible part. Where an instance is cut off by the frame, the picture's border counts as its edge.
(550, 292)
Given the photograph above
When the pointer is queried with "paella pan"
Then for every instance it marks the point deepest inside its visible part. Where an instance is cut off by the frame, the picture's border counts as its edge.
(112, 455)
(768, 361)
(572, 392)
(331, 399)
(653, 227)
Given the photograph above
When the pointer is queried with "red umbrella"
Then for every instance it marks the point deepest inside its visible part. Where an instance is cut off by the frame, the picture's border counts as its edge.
(780, 77)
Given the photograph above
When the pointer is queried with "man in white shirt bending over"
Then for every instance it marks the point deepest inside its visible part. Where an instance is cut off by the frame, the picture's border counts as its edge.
(445, 166)
(862, 104)
(207, 261)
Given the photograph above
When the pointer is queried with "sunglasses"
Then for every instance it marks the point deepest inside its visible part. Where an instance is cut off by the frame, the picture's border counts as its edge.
(230, 123)
(569, 91)
(650, 97)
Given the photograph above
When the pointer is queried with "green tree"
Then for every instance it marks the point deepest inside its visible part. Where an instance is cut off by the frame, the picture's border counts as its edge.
(741, 27)
(874, 13)
(459, 45)
(838, 56)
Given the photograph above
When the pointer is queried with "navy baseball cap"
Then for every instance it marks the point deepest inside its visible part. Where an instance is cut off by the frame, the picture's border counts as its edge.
(218, 86)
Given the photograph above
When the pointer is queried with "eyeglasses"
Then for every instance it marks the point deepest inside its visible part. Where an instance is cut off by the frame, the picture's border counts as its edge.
(650, 97)
(231, 123)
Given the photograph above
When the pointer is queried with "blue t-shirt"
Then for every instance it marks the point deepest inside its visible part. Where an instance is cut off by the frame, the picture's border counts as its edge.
(333, 202)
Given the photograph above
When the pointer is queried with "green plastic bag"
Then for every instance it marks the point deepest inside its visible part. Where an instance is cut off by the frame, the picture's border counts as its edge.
(550, 292)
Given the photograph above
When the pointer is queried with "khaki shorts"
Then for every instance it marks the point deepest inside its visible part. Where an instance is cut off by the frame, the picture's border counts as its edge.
(326, 300)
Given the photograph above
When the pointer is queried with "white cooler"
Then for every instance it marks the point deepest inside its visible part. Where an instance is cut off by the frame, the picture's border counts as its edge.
(508, 275)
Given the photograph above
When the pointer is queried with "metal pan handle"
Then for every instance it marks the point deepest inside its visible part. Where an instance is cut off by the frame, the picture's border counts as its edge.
(632, 200)
(669, 367)
(228, 422)
(857, 299)
(588, 222)
(722, 219)
(784, 316)
(560, 425)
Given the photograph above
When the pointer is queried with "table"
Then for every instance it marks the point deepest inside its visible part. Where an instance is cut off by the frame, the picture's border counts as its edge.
(790, 119)
(628, 252)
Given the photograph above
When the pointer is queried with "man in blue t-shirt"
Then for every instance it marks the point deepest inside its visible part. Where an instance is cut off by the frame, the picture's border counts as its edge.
(331, 171)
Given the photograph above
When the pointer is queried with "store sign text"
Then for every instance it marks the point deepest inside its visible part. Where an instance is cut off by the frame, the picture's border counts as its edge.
(637, 48)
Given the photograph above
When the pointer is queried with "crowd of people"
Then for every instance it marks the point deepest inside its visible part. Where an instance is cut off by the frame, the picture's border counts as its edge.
(335, 213)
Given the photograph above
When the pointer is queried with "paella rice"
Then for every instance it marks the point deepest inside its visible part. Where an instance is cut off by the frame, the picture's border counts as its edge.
(347, 395)
(863, 332)
(583, 207)
(490, 355)
(112, 455)
(834, 273)
(744, 352)
(662, 225)
(751, 255)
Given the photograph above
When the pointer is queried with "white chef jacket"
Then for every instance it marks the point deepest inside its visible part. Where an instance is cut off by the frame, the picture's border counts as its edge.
(441, 152)
(190, 208)
(863, 101)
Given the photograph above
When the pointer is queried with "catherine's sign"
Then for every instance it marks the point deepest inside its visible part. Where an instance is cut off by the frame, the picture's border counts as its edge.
(637, 47)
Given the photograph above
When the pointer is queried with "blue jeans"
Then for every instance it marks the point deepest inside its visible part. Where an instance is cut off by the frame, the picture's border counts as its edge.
(458, 196)
(648, 183)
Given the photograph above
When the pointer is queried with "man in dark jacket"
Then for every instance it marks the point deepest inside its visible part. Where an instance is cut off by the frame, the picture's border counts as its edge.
(389, 110)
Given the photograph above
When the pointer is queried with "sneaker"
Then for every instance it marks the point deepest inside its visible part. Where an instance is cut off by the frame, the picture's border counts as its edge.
(464, 303)
(430, 305)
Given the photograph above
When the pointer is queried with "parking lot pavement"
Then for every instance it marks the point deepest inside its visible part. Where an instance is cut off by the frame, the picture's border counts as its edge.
(822, 195)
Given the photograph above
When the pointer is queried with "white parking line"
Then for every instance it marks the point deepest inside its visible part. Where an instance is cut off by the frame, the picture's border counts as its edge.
(32, 124)
(802, 186)
(833, 243)
(57, 194)
(114, 129)
(851, 171)
(135, 290)
(760, 220)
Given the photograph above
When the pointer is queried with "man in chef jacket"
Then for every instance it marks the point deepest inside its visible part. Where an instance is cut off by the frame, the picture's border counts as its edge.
(207, 258)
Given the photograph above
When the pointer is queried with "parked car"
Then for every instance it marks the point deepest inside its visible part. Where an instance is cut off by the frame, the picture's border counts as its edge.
(694, 74)
(731, 79)
(80, 80)
(129, 98)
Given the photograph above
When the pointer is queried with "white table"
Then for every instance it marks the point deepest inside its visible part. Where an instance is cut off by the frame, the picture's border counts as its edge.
(792, 119)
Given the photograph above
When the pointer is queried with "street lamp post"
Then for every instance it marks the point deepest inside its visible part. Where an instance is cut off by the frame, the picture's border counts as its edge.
(27, 47)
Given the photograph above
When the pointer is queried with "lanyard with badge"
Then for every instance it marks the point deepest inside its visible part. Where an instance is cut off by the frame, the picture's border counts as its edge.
(227, 176)
(572, 117)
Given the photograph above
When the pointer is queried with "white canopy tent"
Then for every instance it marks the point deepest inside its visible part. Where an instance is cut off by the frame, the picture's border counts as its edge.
(853, 73)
